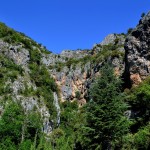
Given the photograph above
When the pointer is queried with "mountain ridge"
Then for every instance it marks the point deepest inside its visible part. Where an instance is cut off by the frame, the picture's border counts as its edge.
(52, 85)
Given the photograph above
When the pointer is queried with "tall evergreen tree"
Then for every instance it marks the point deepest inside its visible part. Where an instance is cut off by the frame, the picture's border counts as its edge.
(106, 122)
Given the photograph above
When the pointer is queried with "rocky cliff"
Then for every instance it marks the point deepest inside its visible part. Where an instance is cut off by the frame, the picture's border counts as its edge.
(137, 46)
(39, 80)
(24, 79)
(74, 71)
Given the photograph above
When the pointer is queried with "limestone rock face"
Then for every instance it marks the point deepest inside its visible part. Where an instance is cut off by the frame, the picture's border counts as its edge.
(17, 53)
(112, 39)
(137, 46)
(77, 70)
(21, 57)
(74, 54)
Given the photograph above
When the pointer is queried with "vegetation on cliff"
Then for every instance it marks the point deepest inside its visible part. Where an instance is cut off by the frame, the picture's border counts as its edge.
(113, 118)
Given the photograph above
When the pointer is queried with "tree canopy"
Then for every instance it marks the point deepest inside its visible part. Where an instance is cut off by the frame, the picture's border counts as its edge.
(105, 120)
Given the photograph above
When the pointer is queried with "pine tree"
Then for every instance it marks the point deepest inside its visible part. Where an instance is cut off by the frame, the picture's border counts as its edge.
(106, 122)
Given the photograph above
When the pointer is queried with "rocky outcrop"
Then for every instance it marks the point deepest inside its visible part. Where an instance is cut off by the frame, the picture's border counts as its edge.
(137, 46)
(79, 70)
(75, 54)
(71, 81)
(21, 83)
(52, 59)
(17, 53)
(56, 103)
(114, 39)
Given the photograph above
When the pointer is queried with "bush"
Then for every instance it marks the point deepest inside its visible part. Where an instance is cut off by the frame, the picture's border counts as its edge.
(138, 98)
(142, 15)
(78, 94)
(129, 30)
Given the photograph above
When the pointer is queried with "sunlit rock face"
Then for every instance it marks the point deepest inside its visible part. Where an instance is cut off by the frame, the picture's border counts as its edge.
(112, 39)
(74, 71)
(137, 46)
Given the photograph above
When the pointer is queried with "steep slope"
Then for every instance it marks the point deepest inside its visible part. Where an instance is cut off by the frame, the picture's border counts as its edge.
(34, 82)
(137, 46)
(37, 78)
(24, 78)
(74, 71)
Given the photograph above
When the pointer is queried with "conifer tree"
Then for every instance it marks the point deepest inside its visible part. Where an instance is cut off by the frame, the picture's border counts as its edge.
(105, 118)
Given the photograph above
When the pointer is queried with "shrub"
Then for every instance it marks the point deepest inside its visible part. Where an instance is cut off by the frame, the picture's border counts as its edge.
(78, 94)
(129, 30)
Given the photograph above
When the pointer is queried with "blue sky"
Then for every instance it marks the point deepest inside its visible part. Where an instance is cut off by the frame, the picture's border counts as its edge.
(71, 24)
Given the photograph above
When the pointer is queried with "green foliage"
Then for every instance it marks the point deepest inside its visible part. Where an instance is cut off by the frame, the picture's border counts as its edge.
(28, 91)
(68, 116)
(57, 138)
(64, 137)
(59, 66)
(26, 144)
(142, 138)
(106, 123)
(17, 129)
(7, 65)
(138, 98)
(13, 37)
(42, 78)
(8, 71)
(45, 86)
(11, 123)
(106, 52)
(72, 119)
(116, 41)
(137, 141)
(61, 143)
(78, 94)
(35, 56)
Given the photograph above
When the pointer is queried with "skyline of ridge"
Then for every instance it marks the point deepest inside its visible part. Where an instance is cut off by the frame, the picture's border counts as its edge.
(61, 25)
